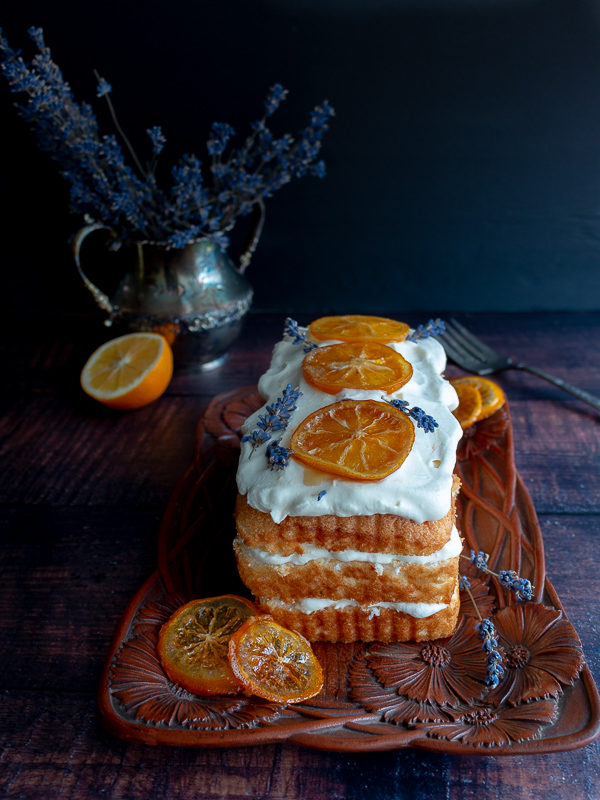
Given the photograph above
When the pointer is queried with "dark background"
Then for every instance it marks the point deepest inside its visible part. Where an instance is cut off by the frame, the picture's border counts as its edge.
(463, 163)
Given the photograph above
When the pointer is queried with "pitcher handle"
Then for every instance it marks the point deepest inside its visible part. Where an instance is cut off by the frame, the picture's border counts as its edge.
(258, 220)
(99, 296)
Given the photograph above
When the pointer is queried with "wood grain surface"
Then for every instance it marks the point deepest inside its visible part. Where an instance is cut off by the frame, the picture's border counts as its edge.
(82, 493)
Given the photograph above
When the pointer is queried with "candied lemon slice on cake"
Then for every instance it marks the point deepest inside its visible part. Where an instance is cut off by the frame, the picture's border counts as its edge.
(273, 662)
(370, 366)
(469, 405)
(361, 440)
(130, 371)
(492, 396)
(193, 644)
(358, 328)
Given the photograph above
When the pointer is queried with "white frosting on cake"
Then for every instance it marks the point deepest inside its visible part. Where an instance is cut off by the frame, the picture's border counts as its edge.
(451, 549)
(307, 605)
(420, 489)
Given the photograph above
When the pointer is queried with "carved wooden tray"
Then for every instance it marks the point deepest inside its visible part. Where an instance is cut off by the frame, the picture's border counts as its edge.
(376, 696)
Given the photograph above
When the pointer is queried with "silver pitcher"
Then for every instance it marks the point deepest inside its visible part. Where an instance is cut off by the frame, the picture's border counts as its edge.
(195, 296)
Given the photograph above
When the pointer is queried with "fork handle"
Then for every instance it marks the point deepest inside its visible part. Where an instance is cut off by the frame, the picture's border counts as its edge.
(568, 387)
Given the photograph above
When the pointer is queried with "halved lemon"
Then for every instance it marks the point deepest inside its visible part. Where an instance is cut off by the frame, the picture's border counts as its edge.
(361, 440)
(492, 396)
(469, 405)
(130, 371)
(359, 328)
(273, 662)
(367, 365)
(193, 644)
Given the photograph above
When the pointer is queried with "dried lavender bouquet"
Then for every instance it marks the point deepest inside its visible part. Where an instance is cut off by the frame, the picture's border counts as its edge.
(202, 200)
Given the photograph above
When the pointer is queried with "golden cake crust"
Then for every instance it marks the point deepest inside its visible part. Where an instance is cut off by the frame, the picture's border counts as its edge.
(397, 582)
(353, 624)
(376, 533)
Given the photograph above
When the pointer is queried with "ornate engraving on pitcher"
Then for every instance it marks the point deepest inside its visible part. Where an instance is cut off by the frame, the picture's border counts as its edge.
(194, 295)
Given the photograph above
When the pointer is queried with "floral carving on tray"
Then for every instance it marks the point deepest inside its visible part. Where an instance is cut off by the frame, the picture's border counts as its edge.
(392, 706)
(444, 672)
(442, 687)
(490, 726)
(485, 434)
(542, 653)
(155, 613)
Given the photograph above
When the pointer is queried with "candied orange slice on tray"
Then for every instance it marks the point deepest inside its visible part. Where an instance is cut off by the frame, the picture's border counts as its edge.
(370, 366)
(358, 328)
(361, 440)
(193, 643)
(273, 662)
(492, 396)
(469, 405)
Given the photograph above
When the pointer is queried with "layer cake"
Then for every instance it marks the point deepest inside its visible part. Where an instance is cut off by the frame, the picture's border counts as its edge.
(348, 560)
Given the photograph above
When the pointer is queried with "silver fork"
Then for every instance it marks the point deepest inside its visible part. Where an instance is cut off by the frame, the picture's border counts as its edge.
(472, 354)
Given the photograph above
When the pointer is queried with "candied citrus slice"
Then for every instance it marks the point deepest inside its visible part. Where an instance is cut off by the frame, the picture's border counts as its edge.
(469, 405)
(358, 328)
(193, 643)
(356, 365)
(362, 440)
(130, 371)
(273, 662)
(492, 396)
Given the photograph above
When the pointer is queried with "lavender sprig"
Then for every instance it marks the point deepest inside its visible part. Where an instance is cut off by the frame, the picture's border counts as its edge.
(422, 419)
(291, 328)
(273, 422)
(487, 632)
(256, 439)
(103, 90)
(277, 456)
(522, 588)
(276, 95)
(431, 328)
(494, 669)
(221, 134)
(157, 139)
(103, 87)
(286, 401)
(480, 560)
(277, 417)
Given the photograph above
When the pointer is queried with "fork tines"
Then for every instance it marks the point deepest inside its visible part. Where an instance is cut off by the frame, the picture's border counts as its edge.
(464, 348)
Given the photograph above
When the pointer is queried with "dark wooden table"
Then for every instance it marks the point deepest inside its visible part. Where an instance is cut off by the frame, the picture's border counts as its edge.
(83, 490)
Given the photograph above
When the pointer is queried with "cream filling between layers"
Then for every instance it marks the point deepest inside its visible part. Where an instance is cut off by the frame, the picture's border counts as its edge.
(451, 549)
(308, 605)
(419, 490)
